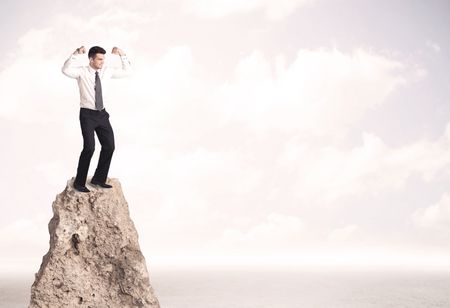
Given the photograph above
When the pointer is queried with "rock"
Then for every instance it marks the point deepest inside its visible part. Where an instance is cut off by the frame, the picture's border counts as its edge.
(94, 258)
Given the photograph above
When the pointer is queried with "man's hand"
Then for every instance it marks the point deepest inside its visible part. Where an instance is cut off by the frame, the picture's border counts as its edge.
(117, 51)
(80, 50)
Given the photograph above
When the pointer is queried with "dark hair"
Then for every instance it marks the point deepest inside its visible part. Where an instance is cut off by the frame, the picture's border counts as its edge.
(95, 50)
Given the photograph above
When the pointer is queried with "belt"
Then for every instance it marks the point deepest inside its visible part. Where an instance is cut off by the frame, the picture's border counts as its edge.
(93, 110)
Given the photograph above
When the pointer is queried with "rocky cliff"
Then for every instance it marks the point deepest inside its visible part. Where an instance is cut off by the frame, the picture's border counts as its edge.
(94, 258)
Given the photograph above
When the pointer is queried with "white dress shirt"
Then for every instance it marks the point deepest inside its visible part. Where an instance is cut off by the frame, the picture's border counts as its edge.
(85, 76)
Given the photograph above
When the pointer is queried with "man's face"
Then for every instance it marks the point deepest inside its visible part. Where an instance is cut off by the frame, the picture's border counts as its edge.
(97, 61)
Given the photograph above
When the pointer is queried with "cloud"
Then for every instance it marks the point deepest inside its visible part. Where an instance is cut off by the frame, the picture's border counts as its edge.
(33, 59)
(322, 92)
(434, 46)
(18, 238)
(260, 116)
(241, 157)
(274, 231)
(328, 173)
(221, 8)
(342, 234)
(436, 216)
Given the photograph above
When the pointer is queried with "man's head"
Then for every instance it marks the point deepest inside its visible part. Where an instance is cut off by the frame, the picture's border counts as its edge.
(96, 57)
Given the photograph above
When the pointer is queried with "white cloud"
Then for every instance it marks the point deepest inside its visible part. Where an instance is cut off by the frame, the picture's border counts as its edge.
(328, 173)
(320, 93)
(433, 45)
(274, 231)
(216, 155)
(18, 238)
(113, 26)
(274, 10)
(34, 59)
(434, 216)
(342, 234)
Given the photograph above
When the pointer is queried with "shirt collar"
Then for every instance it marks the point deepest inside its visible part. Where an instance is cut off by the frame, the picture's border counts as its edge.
(93, 70)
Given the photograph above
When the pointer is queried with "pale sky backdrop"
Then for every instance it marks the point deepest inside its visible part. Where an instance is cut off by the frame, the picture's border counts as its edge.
(282, 133)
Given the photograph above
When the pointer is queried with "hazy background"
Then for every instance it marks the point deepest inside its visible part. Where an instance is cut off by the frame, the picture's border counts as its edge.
(252, 133)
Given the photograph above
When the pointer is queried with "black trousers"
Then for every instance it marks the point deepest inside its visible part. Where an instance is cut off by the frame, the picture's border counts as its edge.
(95, 121)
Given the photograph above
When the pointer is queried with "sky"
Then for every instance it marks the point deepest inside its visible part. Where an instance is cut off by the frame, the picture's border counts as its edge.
(291, 133)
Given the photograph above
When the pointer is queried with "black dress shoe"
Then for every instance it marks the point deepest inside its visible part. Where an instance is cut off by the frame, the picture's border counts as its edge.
(81, 188)
(104, 185)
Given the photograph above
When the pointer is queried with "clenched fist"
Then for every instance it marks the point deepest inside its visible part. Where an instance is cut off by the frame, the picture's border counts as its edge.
(80, 50)
(117, 51)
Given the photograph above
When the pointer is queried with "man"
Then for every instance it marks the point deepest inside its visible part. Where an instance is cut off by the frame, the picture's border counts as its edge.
(92, 79)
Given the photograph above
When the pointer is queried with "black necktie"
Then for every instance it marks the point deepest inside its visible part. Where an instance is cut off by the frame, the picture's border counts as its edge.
(98, 93)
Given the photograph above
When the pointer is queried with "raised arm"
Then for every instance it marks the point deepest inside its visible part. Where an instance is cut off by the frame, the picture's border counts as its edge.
(126, 65)
(69, 69)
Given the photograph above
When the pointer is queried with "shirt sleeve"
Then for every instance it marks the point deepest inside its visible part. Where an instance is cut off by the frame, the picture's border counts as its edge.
(70, 69)
(124, 71)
